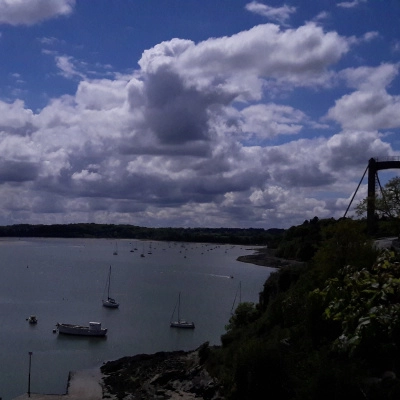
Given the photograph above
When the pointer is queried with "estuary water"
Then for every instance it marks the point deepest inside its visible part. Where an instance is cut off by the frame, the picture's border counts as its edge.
(63, 280)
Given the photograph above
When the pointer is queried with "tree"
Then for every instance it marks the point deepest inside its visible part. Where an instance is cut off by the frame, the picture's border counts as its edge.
(345, 242)
(366, 304)
(244, 314)
(387, 202)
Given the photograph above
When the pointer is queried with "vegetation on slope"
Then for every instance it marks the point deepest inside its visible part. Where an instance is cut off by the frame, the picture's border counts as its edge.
(329, 329)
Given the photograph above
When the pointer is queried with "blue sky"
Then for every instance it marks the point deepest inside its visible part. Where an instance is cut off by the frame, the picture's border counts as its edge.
(194, 113)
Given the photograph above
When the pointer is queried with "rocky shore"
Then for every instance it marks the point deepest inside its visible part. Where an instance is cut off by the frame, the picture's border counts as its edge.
(163, 375)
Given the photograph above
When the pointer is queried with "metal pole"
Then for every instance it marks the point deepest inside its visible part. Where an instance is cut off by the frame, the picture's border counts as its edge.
(372, 169)
(29, 376)
(354, 195)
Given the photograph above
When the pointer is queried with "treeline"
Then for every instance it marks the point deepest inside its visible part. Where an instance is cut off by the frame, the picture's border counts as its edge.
(328, 329)
(302, 242)
(250, 236)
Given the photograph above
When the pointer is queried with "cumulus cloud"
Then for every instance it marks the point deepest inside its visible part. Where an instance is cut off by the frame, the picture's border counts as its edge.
(268, 120)
(298, 56)
(15, 117)
(370, 107)
(186, 139)
(33, 11)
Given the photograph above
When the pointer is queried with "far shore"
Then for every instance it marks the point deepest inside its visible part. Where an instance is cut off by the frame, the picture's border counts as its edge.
(266, 257)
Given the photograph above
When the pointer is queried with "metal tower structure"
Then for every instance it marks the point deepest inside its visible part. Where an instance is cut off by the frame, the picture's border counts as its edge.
(373, 167)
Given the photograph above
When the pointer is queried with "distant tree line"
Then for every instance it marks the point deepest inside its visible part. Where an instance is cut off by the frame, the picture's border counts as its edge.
(250, 236)
(302, 242)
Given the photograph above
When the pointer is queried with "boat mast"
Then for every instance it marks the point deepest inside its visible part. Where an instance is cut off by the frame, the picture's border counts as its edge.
(109, 283)
(238, 290)
(179, 306)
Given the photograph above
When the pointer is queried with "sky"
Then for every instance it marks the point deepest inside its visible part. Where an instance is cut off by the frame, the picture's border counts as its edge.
(189, 113)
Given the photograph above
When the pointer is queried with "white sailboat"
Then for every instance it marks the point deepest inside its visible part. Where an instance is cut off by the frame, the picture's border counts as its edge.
(180, 323)
(109, 302)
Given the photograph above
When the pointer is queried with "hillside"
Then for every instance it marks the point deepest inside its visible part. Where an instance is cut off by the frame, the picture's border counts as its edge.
(327, 328)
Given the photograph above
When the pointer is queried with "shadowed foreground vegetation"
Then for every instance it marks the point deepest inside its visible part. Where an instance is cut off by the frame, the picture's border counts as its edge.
(327, 329)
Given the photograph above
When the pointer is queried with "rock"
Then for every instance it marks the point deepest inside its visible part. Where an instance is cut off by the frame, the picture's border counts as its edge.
(161, 375)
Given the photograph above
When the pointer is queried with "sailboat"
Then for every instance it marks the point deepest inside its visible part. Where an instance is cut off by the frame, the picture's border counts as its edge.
(238, 291)
(180, 323)
(116, 249)
(110, 302)
(142, 254)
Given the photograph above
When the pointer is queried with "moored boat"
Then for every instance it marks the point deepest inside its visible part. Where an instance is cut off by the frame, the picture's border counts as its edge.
(94, 329)
(180, 323)
(32, 319)
(109, 301)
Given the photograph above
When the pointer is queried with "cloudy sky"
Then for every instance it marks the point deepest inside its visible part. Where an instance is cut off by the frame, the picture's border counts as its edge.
(211, 113)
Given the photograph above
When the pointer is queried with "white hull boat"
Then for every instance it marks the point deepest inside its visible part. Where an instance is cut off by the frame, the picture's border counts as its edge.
(94, 329)
(180, 323)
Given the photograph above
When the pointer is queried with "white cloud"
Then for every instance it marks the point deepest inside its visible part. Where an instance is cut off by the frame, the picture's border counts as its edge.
(279, 14)
(269, 120)
(350, 4)
(15, 116)
(173, 143)
(67, 67)
(86, 176)
(370, 107)
(18, 12)
(242, 64)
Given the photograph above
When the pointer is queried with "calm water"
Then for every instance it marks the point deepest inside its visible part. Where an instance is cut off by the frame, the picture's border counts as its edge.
(63, 280)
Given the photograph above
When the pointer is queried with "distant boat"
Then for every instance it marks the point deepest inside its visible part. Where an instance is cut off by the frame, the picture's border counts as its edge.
(32, 319)
(142, 254)
(94, 329)
(109, 302)
(116, 249)
(180, 323)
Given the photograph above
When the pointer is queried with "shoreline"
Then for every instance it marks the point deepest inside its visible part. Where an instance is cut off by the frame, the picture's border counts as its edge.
(266, 257)
(163, 375)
